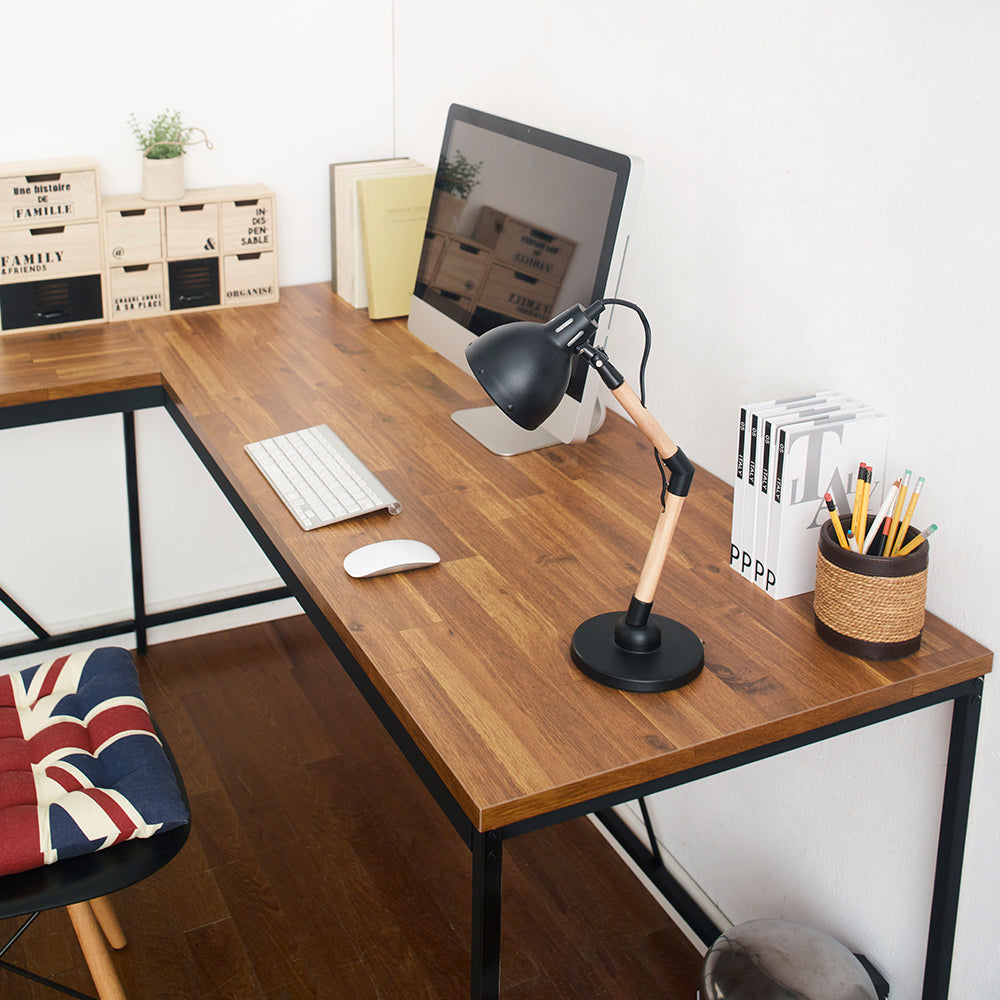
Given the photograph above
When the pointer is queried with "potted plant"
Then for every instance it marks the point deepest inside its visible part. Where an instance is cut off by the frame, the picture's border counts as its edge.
(162, 143)
(453, 183)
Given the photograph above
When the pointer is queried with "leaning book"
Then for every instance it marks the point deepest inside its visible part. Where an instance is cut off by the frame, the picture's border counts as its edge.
(394, 212)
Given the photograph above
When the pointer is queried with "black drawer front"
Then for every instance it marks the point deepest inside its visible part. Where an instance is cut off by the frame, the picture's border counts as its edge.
(194, 284)
(57, 300)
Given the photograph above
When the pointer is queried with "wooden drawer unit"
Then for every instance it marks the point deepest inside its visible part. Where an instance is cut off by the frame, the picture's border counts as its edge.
(248, 278)
(192, 229)
(247, 225)
(134, 235)
(47, 192)
(136, 290)
(213, 247)
(51, 245)
(525, 247)
(49, 252)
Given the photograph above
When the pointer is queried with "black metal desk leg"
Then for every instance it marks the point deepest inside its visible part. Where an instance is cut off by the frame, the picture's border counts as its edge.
(951, 843)
(135, 535)
(487, 869)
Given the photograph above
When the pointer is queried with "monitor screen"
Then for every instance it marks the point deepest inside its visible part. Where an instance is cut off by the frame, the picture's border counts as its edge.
(523, 223)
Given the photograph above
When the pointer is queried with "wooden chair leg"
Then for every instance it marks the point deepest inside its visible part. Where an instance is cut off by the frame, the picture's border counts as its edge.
(108, 920)
(95, 952)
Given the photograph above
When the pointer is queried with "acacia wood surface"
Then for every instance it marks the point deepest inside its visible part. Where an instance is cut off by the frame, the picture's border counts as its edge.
(472, 655)
(60, 364)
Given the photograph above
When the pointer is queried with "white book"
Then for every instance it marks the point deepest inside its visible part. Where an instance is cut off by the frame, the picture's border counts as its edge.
(818, 406)
(815, 458)
(350, 280)
(746, 486)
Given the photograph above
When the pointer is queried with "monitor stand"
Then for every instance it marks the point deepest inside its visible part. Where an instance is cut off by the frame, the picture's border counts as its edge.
(497, 432)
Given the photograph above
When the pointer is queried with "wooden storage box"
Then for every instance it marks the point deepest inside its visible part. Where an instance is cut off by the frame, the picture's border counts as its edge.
(43, 252)
(518, 295)
(247, 225)
(192, 230)
(136, 290)
(214, 247)
(48, 192)
(134, 235)
(249, 278)
(462, 268)
(527, 248)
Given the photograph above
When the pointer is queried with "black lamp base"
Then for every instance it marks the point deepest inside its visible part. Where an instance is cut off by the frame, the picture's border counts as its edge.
(674, 662)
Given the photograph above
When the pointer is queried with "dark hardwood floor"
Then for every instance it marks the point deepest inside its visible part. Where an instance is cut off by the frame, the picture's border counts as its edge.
(319, 866)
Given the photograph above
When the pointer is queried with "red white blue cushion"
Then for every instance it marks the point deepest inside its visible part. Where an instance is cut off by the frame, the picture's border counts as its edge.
(81, 766)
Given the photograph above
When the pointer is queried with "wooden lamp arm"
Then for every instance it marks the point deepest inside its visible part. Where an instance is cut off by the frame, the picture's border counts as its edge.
(681, 472)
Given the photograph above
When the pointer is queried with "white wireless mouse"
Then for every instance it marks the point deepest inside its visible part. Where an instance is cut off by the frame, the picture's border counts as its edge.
(392, 556)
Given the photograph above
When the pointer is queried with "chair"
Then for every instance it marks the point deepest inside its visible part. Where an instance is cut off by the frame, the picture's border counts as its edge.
(88, 722)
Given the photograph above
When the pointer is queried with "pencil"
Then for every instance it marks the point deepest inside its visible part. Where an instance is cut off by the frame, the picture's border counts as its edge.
(852, 541)
(904, 526)
(890, 540)
(859, 484)
(914, 542)
(837, 526)
(862, 526)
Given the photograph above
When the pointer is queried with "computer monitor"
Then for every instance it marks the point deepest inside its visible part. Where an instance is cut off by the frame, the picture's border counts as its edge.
(523, 224)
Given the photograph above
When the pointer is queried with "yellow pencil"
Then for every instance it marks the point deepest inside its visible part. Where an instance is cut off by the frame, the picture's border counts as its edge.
(914, 542)
(837, 526)
(859, 489)
(904, 526)
(862, 527)
(896, 511)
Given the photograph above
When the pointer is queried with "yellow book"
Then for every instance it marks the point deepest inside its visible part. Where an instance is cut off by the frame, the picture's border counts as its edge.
(393, 219)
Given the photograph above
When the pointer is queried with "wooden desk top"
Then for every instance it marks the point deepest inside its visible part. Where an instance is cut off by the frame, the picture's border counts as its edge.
(473, 655)
(64, 364)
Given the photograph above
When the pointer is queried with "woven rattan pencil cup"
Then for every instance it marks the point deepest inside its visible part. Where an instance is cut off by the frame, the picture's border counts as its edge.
(870, 606)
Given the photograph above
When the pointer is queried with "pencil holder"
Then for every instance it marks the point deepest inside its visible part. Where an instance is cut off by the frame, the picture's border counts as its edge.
(869, 606)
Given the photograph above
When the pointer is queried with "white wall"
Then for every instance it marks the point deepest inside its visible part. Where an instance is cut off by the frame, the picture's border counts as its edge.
(820, 210)
(280, 99)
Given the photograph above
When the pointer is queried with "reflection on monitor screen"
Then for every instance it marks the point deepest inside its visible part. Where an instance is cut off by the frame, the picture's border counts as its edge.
(523, 224)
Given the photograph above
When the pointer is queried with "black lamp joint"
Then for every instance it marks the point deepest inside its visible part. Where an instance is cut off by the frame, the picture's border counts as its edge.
(681, 471)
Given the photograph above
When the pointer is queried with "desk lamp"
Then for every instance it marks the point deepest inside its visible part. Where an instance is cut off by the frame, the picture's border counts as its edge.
(525, 368)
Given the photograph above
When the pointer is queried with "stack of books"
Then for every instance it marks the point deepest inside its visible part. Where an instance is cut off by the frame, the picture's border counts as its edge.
(378, 215)
(790, 453)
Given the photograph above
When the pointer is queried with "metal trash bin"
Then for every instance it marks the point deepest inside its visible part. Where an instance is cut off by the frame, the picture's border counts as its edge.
(780, 960)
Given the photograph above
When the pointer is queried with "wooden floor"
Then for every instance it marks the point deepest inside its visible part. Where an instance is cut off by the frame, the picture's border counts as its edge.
(319, 866)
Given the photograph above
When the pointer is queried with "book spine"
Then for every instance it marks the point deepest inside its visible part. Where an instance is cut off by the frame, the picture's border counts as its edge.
(737, 550)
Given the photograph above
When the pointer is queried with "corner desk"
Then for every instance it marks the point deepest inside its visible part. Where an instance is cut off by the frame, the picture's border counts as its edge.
(467, 663)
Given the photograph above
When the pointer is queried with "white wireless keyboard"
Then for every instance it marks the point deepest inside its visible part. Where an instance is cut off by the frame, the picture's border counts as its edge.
(319, 478)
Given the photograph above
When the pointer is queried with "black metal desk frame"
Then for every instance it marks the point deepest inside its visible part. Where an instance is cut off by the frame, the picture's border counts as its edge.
(125, 402)
(487, 846)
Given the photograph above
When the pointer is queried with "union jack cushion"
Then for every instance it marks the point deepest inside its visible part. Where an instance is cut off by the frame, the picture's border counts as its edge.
(81, 766)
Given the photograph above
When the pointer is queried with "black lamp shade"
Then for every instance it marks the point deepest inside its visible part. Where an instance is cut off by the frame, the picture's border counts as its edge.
(524, 367)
